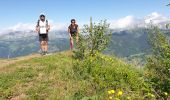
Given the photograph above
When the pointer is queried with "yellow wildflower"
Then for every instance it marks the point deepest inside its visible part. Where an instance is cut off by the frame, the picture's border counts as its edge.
(117, 99)
(109, 92)
(165, 93)
(128, 98)
(112, 91)
(152, 95)
(120, 93)
(110, 98)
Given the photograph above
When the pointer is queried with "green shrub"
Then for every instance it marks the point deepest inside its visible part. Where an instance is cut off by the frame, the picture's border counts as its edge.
(158, 64)
(94, 38)
(106, 73)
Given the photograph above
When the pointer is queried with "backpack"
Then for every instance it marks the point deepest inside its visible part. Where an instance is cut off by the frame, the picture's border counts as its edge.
(72, 29)
(38, 24)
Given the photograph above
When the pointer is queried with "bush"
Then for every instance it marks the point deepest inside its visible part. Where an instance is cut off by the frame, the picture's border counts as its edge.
(94, 38)
(158, 63)
(105, 73)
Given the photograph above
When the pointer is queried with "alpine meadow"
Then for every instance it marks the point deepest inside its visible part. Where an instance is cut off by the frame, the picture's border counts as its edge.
(87, 58)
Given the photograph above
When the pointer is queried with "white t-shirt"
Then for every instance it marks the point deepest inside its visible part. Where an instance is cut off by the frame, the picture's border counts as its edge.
(43, 27)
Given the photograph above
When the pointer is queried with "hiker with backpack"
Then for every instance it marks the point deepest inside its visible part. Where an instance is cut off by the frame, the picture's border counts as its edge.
(73, 31)
(42, 28)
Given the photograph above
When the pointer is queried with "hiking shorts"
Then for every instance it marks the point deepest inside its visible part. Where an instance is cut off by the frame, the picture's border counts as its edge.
(73, 34)
(43, 37)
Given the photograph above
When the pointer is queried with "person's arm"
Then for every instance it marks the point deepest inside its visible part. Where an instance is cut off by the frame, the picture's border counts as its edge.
(37, 28)
(48, 28)
(69, 32)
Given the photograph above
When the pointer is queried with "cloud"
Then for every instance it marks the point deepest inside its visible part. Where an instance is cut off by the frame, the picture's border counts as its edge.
(127, 22)
(156, 18)
(57, 26)
(31, 26)
(22, 27)
(130, 22)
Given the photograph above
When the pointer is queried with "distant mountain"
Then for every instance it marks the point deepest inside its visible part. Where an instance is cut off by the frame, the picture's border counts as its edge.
(129, 42)
(124, 43)
(20, 43)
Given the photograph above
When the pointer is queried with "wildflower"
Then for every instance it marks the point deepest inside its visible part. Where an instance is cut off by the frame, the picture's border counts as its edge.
(109, 92)
(128, 98)
(152, 95)
(110, 98)
(112, 91)
(165, 93)
(117, 99)
(120, 93)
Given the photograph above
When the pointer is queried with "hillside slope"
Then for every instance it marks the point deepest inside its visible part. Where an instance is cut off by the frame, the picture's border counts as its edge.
(53, 77)
(35, 76)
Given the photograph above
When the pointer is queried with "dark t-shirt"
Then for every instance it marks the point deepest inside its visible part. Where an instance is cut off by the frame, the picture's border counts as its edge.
(73, 28)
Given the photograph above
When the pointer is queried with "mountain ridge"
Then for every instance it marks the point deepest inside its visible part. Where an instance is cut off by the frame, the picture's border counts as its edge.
(124, 43)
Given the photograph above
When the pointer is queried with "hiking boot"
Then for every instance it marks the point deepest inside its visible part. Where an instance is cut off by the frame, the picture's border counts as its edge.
(43, 53)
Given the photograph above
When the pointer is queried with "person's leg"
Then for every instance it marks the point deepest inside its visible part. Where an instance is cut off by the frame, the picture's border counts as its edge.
(71, 43)
(41, 44)
(46, 43)
(43, 47)
(46, 46)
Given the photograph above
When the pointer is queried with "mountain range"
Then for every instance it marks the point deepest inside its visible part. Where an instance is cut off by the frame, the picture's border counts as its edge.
(123, 43)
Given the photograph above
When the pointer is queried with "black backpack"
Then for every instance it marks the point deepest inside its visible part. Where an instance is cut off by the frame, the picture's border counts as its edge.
(38, 23)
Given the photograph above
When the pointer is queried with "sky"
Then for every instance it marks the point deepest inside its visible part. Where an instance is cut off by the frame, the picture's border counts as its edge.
(16, 12)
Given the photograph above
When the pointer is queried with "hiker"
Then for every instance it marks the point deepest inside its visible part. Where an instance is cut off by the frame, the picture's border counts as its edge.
(73, 31)
(42, 28)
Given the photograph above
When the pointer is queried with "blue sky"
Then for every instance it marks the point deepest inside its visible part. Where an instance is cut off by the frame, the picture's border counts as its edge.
(61, 11)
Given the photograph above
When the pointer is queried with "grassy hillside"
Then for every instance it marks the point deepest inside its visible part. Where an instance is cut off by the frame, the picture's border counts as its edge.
(61, 77)
(36, 77)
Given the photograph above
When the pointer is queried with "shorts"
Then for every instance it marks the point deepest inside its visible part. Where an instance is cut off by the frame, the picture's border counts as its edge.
(43, 37)
(73, 34)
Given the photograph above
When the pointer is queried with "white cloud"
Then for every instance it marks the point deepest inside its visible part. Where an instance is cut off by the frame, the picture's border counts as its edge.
(129, 22)
(31, 26)
(126, 22)
(156, 18)
(56, 26)
(22, 27)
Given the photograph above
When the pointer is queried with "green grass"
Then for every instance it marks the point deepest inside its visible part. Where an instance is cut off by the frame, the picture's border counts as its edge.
(37, 78)
(49, 77)
(61, 77)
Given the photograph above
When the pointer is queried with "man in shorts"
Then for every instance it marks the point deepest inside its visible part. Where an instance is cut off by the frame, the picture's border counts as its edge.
(42, 28)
